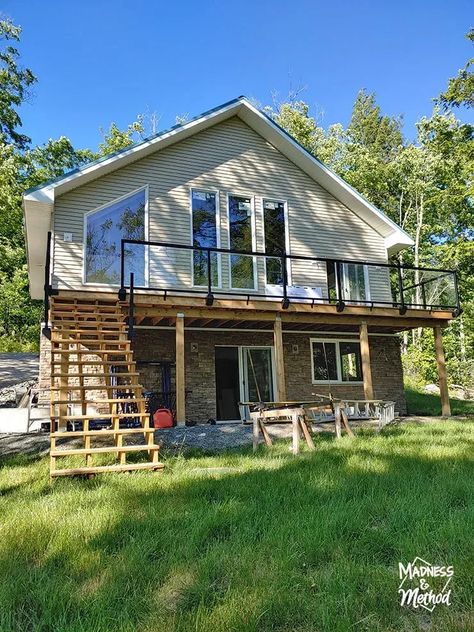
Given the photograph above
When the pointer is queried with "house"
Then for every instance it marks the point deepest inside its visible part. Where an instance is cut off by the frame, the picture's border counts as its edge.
(248, 271)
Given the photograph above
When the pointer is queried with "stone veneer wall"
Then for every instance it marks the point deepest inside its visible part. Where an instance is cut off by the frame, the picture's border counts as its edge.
(44, 378)
(159, 345)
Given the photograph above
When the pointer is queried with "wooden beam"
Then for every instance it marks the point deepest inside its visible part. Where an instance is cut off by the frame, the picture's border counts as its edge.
(443, 380)
(180, 383)
(279, 360)
(210, 314)
(176, 302)
(365, 356)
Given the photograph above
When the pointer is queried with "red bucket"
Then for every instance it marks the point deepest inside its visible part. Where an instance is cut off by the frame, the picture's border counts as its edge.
(162, 418)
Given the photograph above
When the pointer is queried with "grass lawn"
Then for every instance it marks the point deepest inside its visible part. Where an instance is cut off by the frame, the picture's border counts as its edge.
(419, 403)
(268, 542)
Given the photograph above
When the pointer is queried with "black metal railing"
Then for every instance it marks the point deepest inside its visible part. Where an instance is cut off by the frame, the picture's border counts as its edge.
(48, 287)
(176, 268)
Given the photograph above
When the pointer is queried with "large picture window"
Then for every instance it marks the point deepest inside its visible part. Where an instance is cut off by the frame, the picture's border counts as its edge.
(336, 361)
(105, 228)
(242, 267)
(275, 240)
(204, 227)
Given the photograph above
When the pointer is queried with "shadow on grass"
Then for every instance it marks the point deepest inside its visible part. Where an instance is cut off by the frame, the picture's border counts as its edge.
(419, 403)
(274, 543)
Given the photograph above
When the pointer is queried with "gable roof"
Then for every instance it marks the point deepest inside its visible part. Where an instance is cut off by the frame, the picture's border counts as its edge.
(39, 201)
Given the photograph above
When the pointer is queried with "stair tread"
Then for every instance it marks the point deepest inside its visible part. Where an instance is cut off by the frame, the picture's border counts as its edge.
(91, 351)
(107, 468)
(98, 433)
(118, 400)
(99, 416)
(100, 387)
(97, 375)
(105, 449)
(93, 362)
(88, 342)
(93, 327)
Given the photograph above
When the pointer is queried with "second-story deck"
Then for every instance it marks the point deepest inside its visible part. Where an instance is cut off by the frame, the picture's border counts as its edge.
(216, 285)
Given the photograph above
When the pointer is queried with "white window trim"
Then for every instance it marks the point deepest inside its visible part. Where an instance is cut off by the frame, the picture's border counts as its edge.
(218, 235)
(339, 380)
(287, 237)
(84, 236)
(254, 240)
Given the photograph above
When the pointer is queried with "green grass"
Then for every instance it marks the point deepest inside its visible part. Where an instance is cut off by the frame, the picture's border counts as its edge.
(271, 542)
(419, 403)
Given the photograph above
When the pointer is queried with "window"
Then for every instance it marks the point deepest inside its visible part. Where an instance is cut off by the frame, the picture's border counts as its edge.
(351, 366)
(336, 361)
(205, 235)
(241, 237)
(355, 284)
(275, 240)
(105, 228)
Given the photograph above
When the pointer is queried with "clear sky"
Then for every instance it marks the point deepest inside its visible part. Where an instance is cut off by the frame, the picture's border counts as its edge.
(99, 61)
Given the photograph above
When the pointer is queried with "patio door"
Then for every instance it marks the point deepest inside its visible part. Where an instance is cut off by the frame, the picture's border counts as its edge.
(355, 283)
(258, 374)
(243, 374)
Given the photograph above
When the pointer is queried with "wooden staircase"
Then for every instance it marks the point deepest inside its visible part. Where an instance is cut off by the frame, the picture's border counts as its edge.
(94, 382)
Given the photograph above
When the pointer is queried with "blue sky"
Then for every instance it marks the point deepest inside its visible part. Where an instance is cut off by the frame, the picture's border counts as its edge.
(99, 61)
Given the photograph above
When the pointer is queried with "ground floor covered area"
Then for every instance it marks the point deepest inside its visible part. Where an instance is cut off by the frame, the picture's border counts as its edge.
(223, 368)
(206, 359)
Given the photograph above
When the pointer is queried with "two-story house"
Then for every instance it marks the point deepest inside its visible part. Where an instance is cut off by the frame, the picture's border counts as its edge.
(258, 275)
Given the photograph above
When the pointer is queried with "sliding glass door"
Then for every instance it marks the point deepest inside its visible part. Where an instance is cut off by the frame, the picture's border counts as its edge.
(257, 364)
(355, 283)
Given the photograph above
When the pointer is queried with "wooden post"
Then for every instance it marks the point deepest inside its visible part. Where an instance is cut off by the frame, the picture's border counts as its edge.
(255, 430)
(365, 356)
(443, 381)
(180, 384)
(279, 359)
(296, 432)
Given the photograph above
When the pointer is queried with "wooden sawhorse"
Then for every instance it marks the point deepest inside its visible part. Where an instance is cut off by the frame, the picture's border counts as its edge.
(295, 416)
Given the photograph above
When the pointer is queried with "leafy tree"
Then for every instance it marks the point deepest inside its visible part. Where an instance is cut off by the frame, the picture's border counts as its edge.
(460, 90)
(116, 139)
(380, 134)
(14, 85)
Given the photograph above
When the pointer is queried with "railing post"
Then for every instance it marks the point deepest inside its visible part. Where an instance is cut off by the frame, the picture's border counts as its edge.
(423, 294)
(210, 296)
(286, 301)
(340, 303)
(131, 309)
(458, 310)
(402, 307)
(47, 287)
(122, 293)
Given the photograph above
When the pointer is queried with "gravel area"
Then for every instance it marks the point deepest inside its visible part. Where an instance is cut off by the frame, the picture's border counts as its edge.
(204, 437)
(18, 367)
(33, 443)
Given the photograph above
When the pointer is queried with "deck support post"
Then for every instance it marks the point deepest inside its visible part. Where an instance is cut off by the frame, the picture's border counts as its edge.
(279, 359)
(365, 356)
(443, 380)
(180, 383)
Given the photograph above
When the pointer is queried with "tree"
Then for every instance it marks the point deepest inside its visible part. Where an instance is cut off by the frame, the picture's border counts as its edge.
(14, 85)
(380, 134)
(116, 139)
(460, 90)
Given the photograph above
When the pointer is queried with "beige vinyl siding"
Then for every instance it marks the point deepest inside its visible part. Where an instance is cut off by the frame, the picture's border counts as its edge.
(230, 158)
